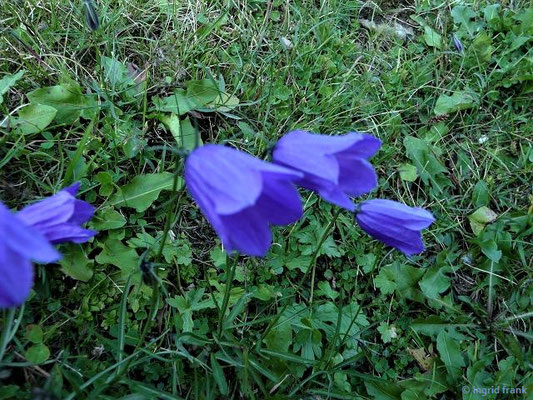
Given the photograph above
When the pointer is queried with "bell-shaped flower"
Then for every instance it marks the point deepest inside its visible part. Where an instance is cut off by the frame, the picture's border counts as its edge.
(242, 196)
(394, 224)
(19, 246)
(59, 217)
(336, 167)
(29, 234)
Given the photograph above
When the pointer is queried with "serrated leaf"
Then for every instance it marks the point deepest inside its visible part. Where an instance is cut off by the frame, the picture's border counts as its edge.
(457, 101)
(116, 253)
(435, 281)
(427, 165)
(7, 82)
(34, 118)
(37, 354)
(76, 264)
(108, 219)
(143, 190)
(67, 99)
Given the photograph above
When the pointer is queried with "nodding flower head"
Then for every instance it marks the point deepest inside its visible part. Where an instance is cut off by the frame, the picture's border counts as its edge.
(242, 196)
(336, 167)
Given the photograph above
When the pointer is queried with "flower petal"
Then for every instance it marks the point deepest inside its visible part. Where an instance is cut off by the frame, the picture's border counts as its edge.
(357, 176)
(16, 277)
(247, 232)
(68, 233)
(280, 202)
(407, 241)
(25, 240)
(51, 210)
(389, 212)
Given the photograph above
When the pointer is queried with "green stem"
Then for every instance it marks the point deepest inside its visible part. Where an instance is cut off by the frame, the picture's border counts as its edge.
(229, 282)
(6, 332)
(325, 235)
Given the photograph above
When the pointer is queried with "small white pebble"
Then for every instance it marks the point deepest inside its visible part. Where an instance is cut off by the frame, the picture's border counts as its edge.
(483, 139)
(286, 43)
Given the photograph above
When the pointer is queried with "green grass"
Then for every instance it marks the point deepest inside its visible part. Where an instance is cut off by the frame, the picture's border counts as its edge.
(374, 324)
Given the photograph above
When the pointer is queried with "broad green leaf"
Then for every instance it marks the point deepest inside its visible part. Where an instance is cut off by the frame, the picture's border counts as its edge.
(408, 172)
(428, 166)
(182, 130)
(457, 101)
(116, 73)
(108, 219)
(490, 249)
(34, 333)
(481, 217)
(388, 332)
(435, 281)
(7, 82)
(279, 338)
(401, 278)
(463, 15)
(68, 99)
(144, 190)
(34, 118)
(382, 390)
(432, 38)
(480, 194)
(116, 253)
(491, 12)
(450, 354)
(178, 103)
(37, 354)
(76, 264)
(326, 290)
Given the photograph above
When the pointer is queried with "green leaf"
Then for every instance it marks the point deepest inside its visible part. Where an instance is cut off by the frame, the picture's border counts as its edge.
(76, 264)
(432, 38)
(116, 73)
(144, 190)
(450, 354)
(490, 249)
(7, 82)
(427, 165)
(34, 118)
(116, 253)
(279, 338)
(457, 101)
(435, 281)
(382, 390)
(388, 332)
(407, 172)
(218, 376)
(480, 218)
(193, 301)
(67, 99)
(178, 103)
(37, 354)
(326, 290)
(34, 333)
(108, 219)
(401, 278)
(182, 130)
(480, 194)
(463, 15)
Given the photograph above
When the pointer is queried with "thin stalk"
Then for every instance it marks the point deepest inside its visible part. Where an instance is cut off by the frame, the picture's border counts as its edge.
(229, 283)
(6, 332)
(325, 235)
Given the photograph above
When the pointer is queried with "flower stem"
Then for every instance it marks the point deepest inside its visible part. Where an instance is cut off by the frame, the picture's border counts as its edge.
(231, 267)
(6, 332)
(325, 235)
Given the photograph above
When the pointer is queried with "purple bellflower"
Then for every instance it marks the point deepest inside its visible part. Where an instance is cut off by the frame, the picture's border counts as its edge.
(29, 234)
(394, 224)
(334, 166)
(458, 44)
(59, 217)
(242, 196)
